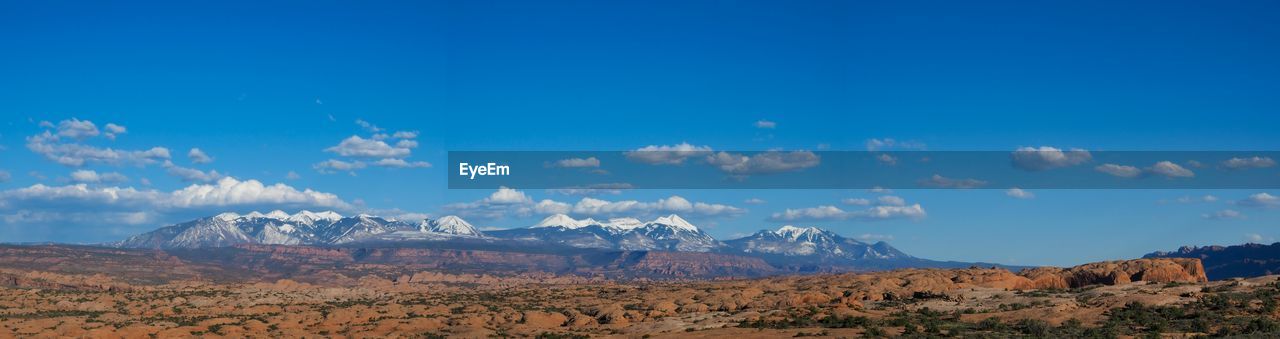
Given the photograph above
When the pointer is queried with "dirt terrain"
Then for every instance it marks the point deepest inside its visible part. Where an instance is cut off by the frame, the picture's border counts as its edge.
(52, 298)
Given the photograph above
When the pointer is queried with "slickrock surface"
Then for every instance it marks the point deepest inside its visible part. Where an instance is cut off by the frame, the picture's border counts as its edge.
(36, 303)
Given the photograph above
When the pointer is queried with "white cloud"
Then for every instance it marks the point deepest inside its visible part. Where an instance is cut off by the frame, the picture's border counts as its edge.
(674, 204)
(1170, 170)
(878, 144)
(763, 163)
(199, 157)
(334, 166)
(1223, 215)
(228, 192)
(766, 124)
(940, 181)
(363, 151)
(112, 130)
(292, 176)
(1019, 193)
(401, 163)
(754, 201)
(77, 129)
(666, 155)
(890, 212)
(1264, 200)
(1122, 171)
(506, 202)
(50, 146)
(1045, 158)
(191, 174)
(577, 162)
(548, 206)
(1188, 199)
(355, 146)
(407, 144)
(890, 200)
(28, 217)
(368, 126)
(1252, 162)
(856, 201)
(507, 196)
(825, 212)
(887, 159)
(828, 212)
(92, 177)
(880, 190)
(1258, 239)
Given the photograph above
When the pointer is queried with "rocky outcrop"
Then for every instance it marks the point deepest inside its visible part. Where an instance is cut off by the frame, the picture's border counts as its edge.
(1226, 262)
(689, 264)
(1118, 272)
(942, 284)
(541, 319)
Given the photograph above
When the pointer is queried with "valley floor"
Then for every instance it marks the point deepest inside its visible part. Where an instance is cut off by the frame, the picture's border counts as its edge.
(962, 303)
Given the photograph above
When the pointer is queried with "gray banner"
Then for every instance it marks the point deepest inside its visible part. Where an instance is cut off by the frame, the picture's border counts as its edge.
(1028, 168)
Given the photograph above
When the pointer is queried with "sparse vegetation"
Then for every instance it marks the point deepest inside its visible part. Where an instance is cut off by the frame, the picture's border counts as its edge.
(341, 302)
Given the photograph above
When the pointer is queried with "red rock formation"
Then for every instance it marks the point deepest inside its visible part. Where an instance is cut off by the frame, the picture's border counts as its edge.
(1125, 271)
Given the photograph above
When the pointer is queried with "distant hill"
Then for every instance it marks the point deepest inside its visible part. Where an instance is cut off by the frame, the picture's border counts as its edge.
(1225, 262)
(668, 246)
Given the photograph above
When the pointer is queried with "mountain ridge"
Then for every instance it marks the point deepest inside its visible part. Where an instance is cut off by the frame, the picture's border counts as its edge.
(788, 248)
(1226, 262)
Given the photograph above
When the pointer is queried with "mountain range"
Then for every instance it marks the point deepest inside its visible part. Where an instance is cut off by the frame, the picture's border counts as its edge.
(1226, 262)
(302, 228)
(789, 248)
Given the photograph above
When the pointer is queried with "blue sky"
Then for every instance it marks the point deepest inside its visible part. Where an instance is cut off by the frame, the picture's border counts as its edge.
(265, 89)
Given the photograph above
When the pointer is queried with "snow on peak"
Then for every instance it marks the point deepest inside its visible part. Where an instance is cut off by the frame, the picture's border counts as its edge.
(278, 214)
(228, 216)
(796, 232)
(675, 221)
(305, 217)
(561, 220)
(308, 217)
(452, 220)
(449, 224)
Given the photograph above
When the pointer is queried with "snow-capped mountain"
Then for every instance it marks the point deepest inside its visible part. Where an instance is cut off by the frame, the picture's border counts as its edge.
(302, 228)
(564, 221)
(449, 225)
(813, 242)
(669, 233)
(790, 248)
(310, 218)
